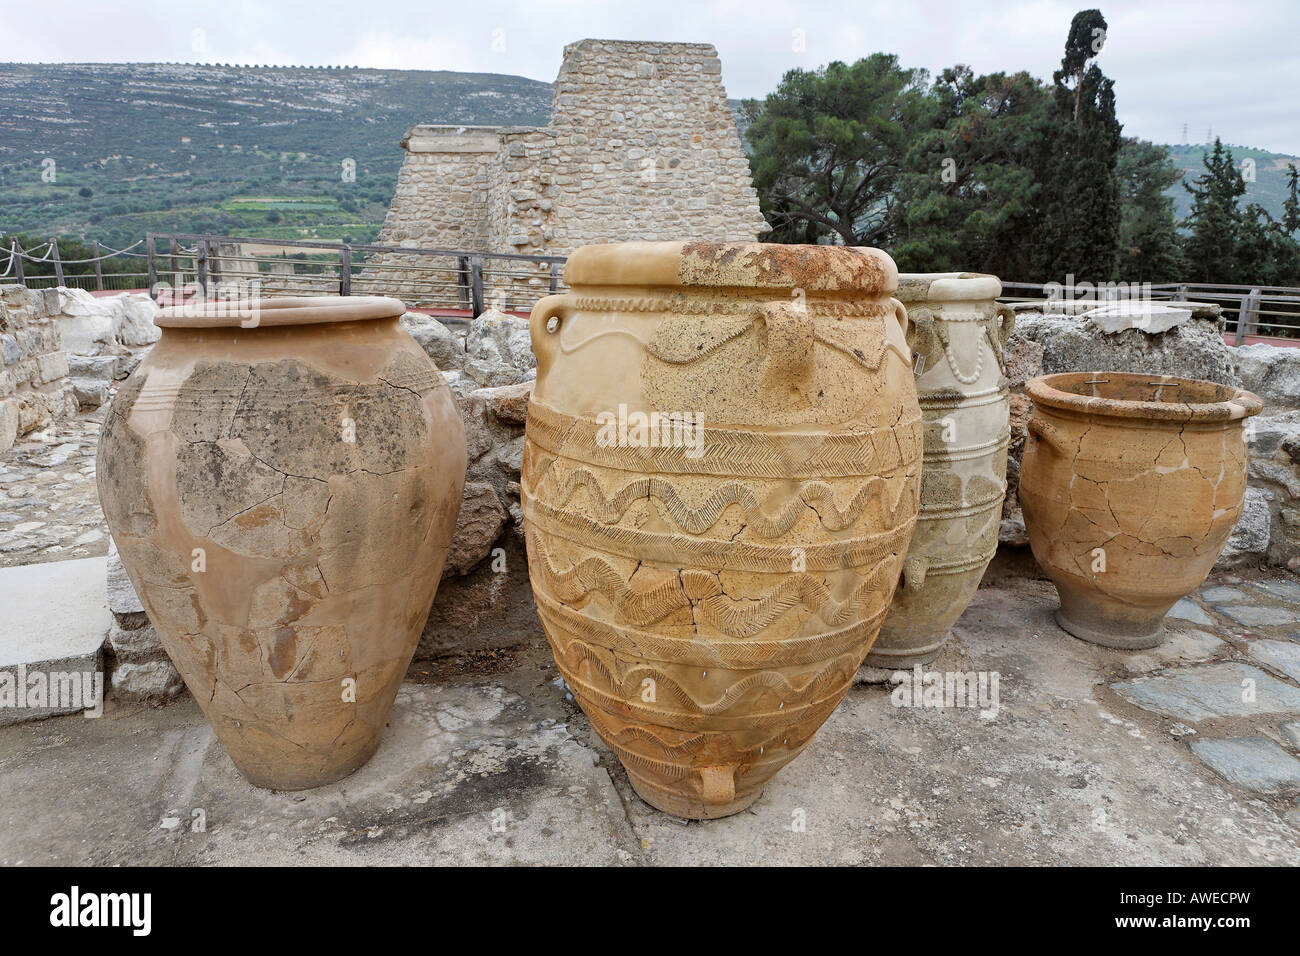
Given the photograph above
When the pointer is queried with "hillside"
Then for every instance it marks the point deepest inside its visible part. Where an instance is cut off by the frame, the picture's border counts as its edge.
(224, 149)
(1268, 189)
(240, 150)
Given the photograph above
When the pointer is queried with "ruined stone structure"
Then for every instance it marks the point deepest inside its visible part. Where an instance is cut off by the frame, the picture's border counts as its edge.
(34, 387)
(641, 145)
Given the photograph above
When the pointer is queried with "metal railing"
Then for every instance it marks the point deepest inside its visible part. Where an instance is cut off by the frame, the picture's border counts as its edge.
(13, 257)
(441, 278)
(1248, 311)
(470, 281)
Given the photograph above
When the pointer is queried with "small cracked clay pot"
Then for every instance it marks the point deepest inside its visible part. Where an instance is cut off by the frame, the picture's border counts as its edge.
(1130, 486)
(282, 478)
(720, 478)
(957, 331)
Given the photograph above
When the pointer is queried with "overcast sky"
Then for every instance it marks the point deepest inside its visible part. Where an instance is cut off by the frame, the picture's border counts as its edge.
(1232, 67)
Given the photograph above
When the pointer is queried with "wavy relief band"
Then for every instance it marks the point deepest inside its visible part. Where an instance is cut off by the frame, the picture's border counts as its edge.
(781, 719)
(703, 652)
(685, 747)
(735, 453)
(799, 590)
(639, 746)
(593, 574)
(817, 496)
(806, 688)
(686, 340)
(692, 305)
(677, 549)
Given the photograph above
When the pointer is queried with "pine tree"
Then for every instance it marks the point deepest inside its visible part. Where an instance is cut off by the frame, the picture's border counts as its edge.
(967, 193)
(1149, 246)
(827, 148)
(1291, 207)
(1214, 223)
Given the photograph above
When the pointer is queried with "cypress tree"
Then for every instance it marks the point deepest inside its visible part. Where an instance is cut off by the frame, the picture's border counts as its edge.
(1079, 227)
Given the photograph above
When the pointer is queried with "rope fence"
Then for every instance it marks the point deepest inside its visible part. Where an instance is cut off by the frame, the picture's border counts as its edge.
(181, 265)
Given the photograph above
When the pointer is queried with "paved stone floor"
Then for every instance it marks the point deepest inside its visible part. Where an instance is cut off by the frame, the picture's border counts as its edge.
(49, 508)
(1185, 754)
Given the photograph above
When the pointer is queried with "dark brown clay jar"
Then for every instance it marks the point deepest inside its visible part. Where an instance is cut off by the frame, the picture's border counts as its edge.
(282, 483)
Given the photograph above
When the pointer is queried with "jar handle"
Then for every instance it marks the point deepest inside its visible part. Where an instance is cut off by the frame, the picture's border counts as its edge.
(1048, 435)
(904, 320)
(1006, 321)
(789, 356)
(545, 340)
(719, 785)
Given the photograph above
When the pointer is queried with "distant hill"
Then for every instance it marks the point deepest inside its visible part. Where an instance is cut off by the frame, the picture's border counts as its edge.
(1268, 189)
(229, 149)
(260, 150)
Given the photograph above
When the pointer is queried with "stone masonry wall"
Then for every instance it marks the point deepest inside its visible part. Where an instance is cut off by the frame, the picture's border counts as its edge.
(641, 145)
(646, 130)
(34, 388)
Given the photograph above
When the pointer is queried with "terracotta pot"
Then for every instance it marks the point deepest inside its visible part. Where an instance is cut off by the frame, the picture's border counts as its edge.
(957, 331)
(709, 586)
(1130, 486)
(283, 496)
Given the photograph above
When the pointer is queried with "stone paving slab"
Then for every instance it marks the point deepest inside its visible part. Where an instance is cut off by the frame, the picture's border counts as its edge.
(1280, 655)
(53, 619)
(1214, 690)
(1188, 611)
(1255, 763)
(1283, 590)
(1252, 615)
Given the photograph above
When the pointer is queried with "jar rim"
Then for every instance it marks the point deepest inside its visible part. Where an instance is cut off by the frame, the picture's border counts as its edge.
(747, 266)
(286, 310)
(1192, 400)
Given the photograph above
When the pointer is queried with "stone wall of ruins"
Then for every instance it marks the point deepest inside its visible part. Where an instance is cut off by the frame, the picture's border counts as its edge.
(641, 145)
(34, 386)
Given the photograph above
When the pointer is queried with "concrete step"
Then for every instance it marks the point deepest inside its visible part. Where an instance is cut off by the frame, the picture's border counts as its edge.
(53, 620)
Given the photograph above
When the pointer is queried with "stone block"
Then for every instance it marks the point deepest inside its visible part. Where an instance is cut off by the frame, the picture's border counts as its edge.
(1255, 763)
(53, 620)
(1194, 694)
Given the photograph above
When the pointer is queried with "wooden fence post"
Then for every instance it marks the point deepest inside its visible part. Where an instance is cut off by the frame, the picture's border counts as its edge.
(1247, 315)
(462, 281)
(345, 269)
(476, 286)
(99, 269)
(18, 262)
(58, 263)
(201, 265)
(214, 265)
(151, 266)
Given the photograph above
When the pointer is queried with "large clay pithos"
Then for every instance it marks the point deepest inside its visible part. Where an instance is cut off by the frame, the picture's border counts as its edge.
(720, 478)
(957, 331)
(1130, 485)
(282, 479)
